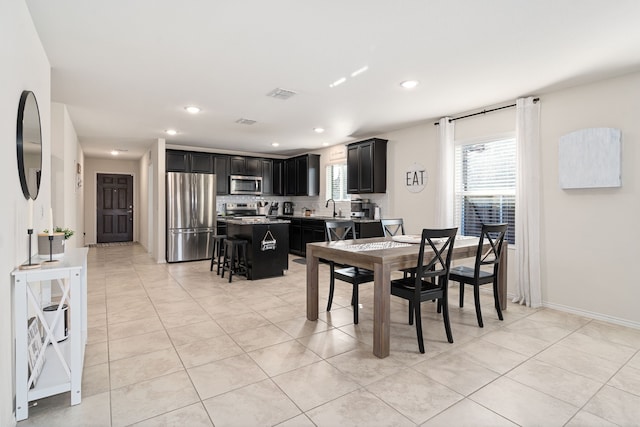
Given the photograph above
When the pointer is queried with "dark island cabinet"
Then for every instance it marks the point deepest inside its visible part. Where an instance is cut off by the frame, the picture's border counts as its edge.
(302, 175)
(367, 166)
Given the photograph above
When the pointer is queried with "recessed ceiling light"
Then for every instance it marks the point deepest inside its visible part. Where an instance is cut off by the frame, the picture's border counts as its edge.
(318, 130)
(171, 132)
(114, 152)
(192, 109)
(409, 84)
(275, 144)
(359, 71)
(325, 144)
(338, 82)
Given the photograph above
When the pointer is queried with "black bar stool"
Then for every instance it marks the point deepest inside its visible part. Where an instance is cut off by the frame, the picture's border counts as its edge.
(217, 242)
(235, 257)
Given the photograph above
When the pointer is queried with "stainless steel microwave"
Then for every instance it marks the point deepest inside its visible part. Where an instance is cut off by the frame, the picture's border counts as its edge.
(242, 184)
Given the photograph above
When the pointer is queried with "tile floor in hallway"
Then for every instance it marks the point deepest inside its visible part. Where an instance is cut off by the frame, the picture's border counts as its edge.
(175, 345)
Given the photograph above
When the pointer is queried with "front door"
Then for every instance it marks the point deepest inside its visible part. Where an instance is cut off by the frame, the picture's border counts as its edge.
(115, 208)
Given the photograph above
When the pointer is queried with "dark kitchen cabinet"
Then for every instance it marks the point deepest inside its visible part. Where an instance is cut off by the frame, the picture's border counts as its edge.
(177, 161)
(367, 166)
(302, 175)
(221, 169)
(267, 176)
(295, 237)
(278, 177)
(189, 161)
(241, 165)
(365, 230)
(201, 162)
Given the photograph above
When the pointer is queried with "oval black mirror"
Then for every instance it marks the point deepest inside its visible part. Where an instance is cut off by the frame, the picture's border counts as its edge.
(29, 145)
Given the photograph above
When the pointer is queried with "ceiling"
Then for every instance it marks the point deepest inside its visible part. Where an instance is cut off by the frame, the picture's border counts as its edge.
(126, 69)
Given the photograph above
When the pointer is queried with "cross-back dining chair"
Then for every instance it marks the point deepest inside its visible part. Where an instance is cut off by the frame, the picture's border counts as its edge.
(395, 227)
(430, 280)
(494, 235)
(342, 230)
(392, 227)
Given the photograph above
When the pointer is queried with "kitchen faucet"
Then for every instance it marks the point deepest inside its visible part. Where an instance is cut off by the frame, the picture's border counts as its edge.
(334, 207)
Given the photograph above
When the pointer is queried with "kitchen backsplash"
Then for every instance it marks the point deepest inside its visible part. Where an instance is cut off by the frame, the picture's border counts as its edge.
(316, 204)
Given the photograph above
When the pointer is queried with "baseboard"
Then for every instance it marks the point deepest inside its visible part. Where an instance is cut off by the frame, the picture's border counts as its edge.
(585, 313)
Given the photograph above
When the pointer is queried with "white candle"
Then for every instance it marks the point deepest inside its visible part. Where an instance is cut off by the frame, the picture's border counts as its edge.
(30, 214)
(50, 222)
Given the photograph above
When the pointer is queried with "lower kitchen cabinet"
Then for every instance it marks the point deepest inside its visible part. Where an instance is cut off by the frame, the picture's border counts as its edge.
(309, 230)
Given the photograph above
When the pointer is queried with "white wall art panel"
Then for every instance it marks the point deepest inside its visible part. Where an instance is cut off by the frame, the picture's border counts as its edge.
(590, 158)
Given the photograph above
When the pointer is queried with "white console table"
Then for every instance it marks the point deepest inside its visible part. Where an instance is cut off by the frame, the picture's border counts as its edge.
(63, 361)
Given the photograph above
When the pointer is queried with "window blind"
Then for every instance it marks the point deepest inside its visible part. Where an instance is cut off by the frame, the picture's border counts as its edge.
(485, 186)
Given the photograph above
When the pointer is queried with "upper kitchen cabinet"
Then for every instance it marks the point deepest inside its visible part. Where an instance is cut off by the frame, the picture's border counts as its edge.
(241, 165)
(178, 161)
(201, 162)
(221, 169)
(189, 161)
(278, 177)
(367, 166)
(302, 175)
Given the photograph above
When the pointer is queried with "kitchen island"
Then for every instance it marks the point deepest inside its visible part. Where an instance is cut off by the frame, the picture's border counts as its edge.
(268, 245)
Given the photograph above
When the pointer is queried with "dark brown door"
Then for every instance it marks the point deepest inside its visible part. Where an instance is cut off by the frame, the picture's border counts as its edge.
(115, 208)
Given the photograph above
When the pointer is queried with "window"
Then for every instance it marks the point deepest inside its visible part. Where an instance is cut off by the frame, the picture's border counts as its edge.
(337, 182)
(485, 185)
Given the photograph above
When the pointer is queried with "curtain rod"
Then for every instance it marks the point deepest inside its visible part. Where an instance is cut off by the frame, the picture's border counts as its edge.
(483, 112)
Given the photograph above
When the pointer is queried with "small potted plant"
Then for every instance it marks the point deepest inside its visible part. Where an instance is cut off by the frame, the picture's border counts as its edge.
(57, 246)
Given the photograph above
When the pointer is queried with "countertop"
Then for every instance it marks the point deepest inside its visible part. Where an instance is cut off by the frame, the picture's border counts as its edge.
(253, 220)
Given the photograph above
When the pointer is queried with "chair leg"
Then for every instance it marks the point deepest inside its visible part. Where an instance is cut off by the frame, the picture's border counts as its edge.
(496, 298)
(213, 257)
(332, 281)
(410, 312)
(445, 316)
(221, 251)
(225, 260)
(461, 294)
(476, 298)
(419, 326)
(232, 262)
(354, 298)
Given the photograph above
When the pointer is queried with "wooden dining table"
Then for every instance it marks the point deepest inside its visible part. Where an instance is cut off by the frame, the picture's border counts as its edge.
(383, 255)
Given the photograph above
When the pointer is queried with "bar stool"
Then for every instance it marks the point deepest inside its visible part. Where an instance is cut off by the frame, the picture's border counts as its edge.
(235, 257)
(216, 251)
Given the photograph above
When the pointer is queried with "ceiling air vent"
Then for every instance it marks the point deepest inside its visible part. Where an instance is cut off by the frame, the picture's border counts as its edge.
(280, 93)
(245, 121)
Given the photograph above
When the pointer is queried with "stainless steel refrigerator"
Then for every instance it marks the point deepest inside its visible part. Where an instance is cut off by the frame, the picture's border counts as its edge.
(191, 215)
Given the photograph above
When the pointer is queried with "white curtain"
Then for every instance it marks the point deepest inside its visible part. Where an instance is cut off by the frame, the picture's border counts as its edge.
(445, 189)
(528, 202)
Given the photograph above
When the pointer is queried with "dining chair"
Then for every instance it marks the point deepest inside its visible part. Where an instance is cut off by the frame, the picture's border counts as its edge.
(395, 227)
(392, 227)
(342, 230)
(494, 234)
(430, 281)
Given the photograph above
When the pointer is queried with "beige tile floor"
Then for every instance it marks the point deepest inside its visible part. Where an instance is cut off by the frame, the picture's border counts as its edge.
(175, 345)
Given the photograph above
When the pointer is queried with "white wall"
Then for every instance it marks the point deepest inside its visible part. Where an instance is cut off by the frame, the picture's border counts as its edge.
(94, 166)
(25, 67)
(66, 154)
(590, 236)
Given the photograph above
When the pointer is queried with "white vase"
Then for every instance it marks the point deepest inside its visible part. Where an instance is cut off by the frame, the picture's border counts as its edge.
(57, 246)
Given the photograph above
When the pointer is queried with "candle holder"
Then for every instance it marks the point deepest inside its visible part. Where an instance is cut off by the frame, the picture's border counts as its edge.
(29, 265)
(51, 261)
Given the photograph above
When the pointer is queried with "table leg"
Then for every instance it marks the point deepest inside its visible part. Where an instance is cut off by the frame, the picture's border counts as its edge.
(381, 309)
(312, 285)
